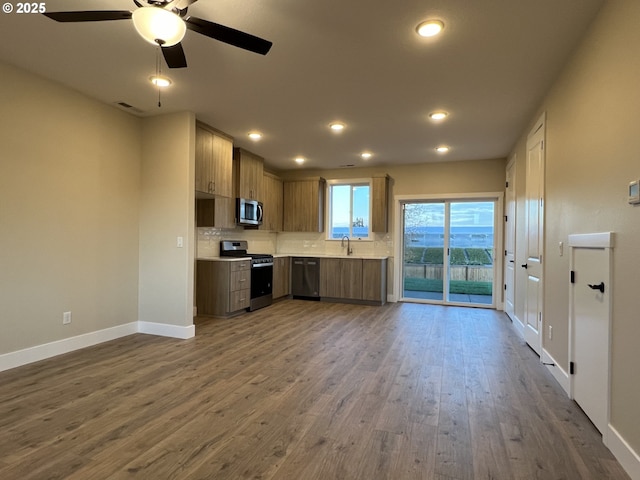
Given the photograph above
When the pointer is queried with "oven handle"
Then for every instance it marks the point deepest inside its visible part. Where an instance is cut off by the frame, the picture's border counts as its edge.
(261, 265)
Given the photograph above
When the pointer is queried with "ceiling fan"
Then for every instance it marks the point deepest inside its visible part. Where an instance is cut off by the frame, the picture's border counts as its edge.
(164, 23)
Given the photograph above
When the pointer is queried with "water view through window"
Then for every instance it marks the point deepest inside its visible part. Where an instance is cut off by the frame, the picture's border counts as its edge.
(449, 251)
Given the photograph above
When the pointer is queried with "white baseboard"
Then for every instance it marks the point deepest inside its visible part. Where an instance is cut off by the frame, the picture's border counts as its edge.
(52, 349)
(561, 376)
(623, 452)
(518, 325)
(47, 350)
(165, 330)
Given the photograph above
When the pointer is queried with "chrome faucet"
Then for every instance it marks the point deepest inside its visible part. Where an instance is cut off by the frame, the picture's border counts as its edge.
(349, 249)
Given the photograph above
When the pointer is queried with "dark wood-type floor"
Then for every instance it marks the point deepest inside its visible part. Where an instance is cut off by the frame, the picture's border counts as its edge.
(302, 390)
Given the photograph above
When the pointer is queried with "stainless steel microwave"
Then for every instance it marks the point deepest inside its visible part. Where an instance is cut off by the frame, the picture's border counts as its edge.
(248, 212)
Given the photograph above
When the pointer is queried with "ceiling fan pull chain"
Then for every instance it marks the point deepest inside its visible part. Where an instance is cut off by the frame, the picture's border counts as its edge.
(158, 72)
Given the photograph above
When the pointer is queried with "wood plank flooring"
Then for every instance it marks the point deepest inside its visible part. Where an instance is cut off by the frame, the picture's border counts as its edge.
(302, 390)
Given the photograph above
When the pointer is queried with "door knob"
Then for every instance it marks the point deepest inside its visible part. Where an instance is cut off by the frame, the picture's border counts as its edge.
(600, 287)
(525, 266)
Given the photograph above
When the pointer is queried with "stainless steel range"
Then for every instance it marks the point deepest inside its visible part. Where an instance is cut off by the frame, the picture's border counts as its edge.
(261, 271)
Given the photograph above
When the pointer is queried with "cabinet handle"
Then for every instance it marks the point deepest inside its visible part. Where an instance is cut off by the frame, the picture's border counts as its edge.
(243, 280)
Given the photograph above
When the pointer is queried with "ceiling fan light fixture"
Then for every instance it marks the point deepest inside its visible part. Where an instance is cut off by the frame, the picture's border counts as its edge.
(430, 28)
(160, 81)
(159, 26)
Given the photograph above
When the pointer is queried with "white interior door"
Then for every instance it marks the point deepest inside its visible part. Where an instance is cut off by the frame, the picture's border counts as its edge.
(510, 240)
(534, 198)
(590, 327)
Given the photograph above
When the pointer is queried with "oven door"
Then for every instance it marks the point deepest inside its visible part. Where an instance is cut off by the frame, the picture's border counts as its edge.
(261, 285)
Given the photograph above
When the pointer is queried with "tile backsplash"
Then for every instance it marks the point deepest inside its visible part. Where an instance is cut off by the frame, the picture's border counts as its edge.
(291, 243)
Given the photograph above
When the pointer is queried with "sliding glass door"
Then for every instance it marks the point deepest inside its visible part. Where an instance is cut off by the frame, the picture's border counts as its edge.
(448, 251)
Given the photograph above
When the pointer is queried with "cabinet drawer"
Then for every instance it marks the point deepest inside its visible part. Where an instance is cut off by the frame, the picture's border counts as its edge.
(239, 299)
(243, 265)
(239, 280)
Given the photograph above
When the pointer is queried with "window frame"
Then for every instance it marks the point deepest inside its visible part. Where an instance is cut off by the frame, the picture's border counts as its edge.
(352, 182)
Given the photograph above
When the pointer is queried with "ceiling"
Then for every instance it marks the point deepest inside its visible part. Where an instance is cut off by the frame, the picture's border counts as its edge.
(356, 61)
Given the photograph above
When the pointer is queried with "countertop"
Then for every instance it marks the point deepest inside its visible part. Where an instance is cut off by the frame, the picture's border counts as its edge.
(305, 255)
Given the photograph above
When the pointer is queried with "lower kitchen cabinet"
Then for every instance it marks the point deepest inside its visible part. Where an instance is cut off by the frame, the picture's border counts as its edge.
(358, 280)
(374, 280)
(341, 278)
(281, 277)
(222, 287)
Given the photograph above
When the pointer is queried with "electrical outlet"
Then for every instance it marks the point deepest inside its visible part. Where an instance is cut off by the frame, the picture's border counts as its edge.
(550, 332)
(66, 318)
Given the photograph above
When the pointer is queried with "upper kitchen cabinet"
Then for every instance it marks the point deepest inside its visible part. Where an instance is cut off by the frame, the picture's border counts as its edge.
(214, 162)
(272, 199)
(380, 204)
(248, 169)
(304, 205)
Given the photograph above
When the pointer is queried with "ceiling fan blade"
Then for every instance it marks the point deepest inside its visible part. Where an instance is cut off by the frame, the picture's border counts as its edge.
(89, 16)
(174, 56)
(229, 35)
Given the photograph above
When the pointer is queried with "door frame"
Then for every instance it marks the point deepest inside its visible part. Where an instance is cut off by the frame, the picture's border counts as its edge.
(512, 224)
(601, 240)
(498, 267)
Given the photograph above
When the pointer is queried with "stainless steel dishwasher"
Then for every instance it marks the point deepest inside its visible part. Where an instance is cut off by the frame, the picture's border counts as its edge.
(305, 278)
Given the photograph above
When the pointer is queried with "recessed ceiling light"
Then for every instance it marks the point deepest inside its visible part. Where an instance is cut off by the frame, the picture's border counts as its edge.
(442, 149)
(366, 155)
(337, 126)
(160, 81)
(430, 28)
(299, 160)
(440, 115)
(255, 135)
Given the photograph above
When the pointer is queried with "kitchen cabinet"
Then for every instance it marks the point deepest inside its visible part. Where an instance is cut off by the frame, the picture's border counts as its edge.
(281, 277)
(222, 287)
(304, 205)
(248, 170)
(272, 199)
(214, 162)
(380, 204)
(215, 212)
(341, 278)
(374, 280)
(358, 280)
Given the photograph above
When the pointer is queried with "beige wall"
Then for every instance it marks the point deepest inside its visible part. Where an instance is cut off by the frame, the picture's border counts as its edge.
(593, 152)
(69, 196)
(166, 213)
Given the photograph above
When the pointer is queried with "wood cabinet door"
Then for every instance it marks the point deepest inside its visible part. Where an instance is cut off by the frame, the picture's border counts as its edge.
(272, 198)
(222, 165)
(214, 162)
(341, 278)
(374, 275)
(303, 206)
(281, 276)
(380, 204)
(204, 150)
(249, 171)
